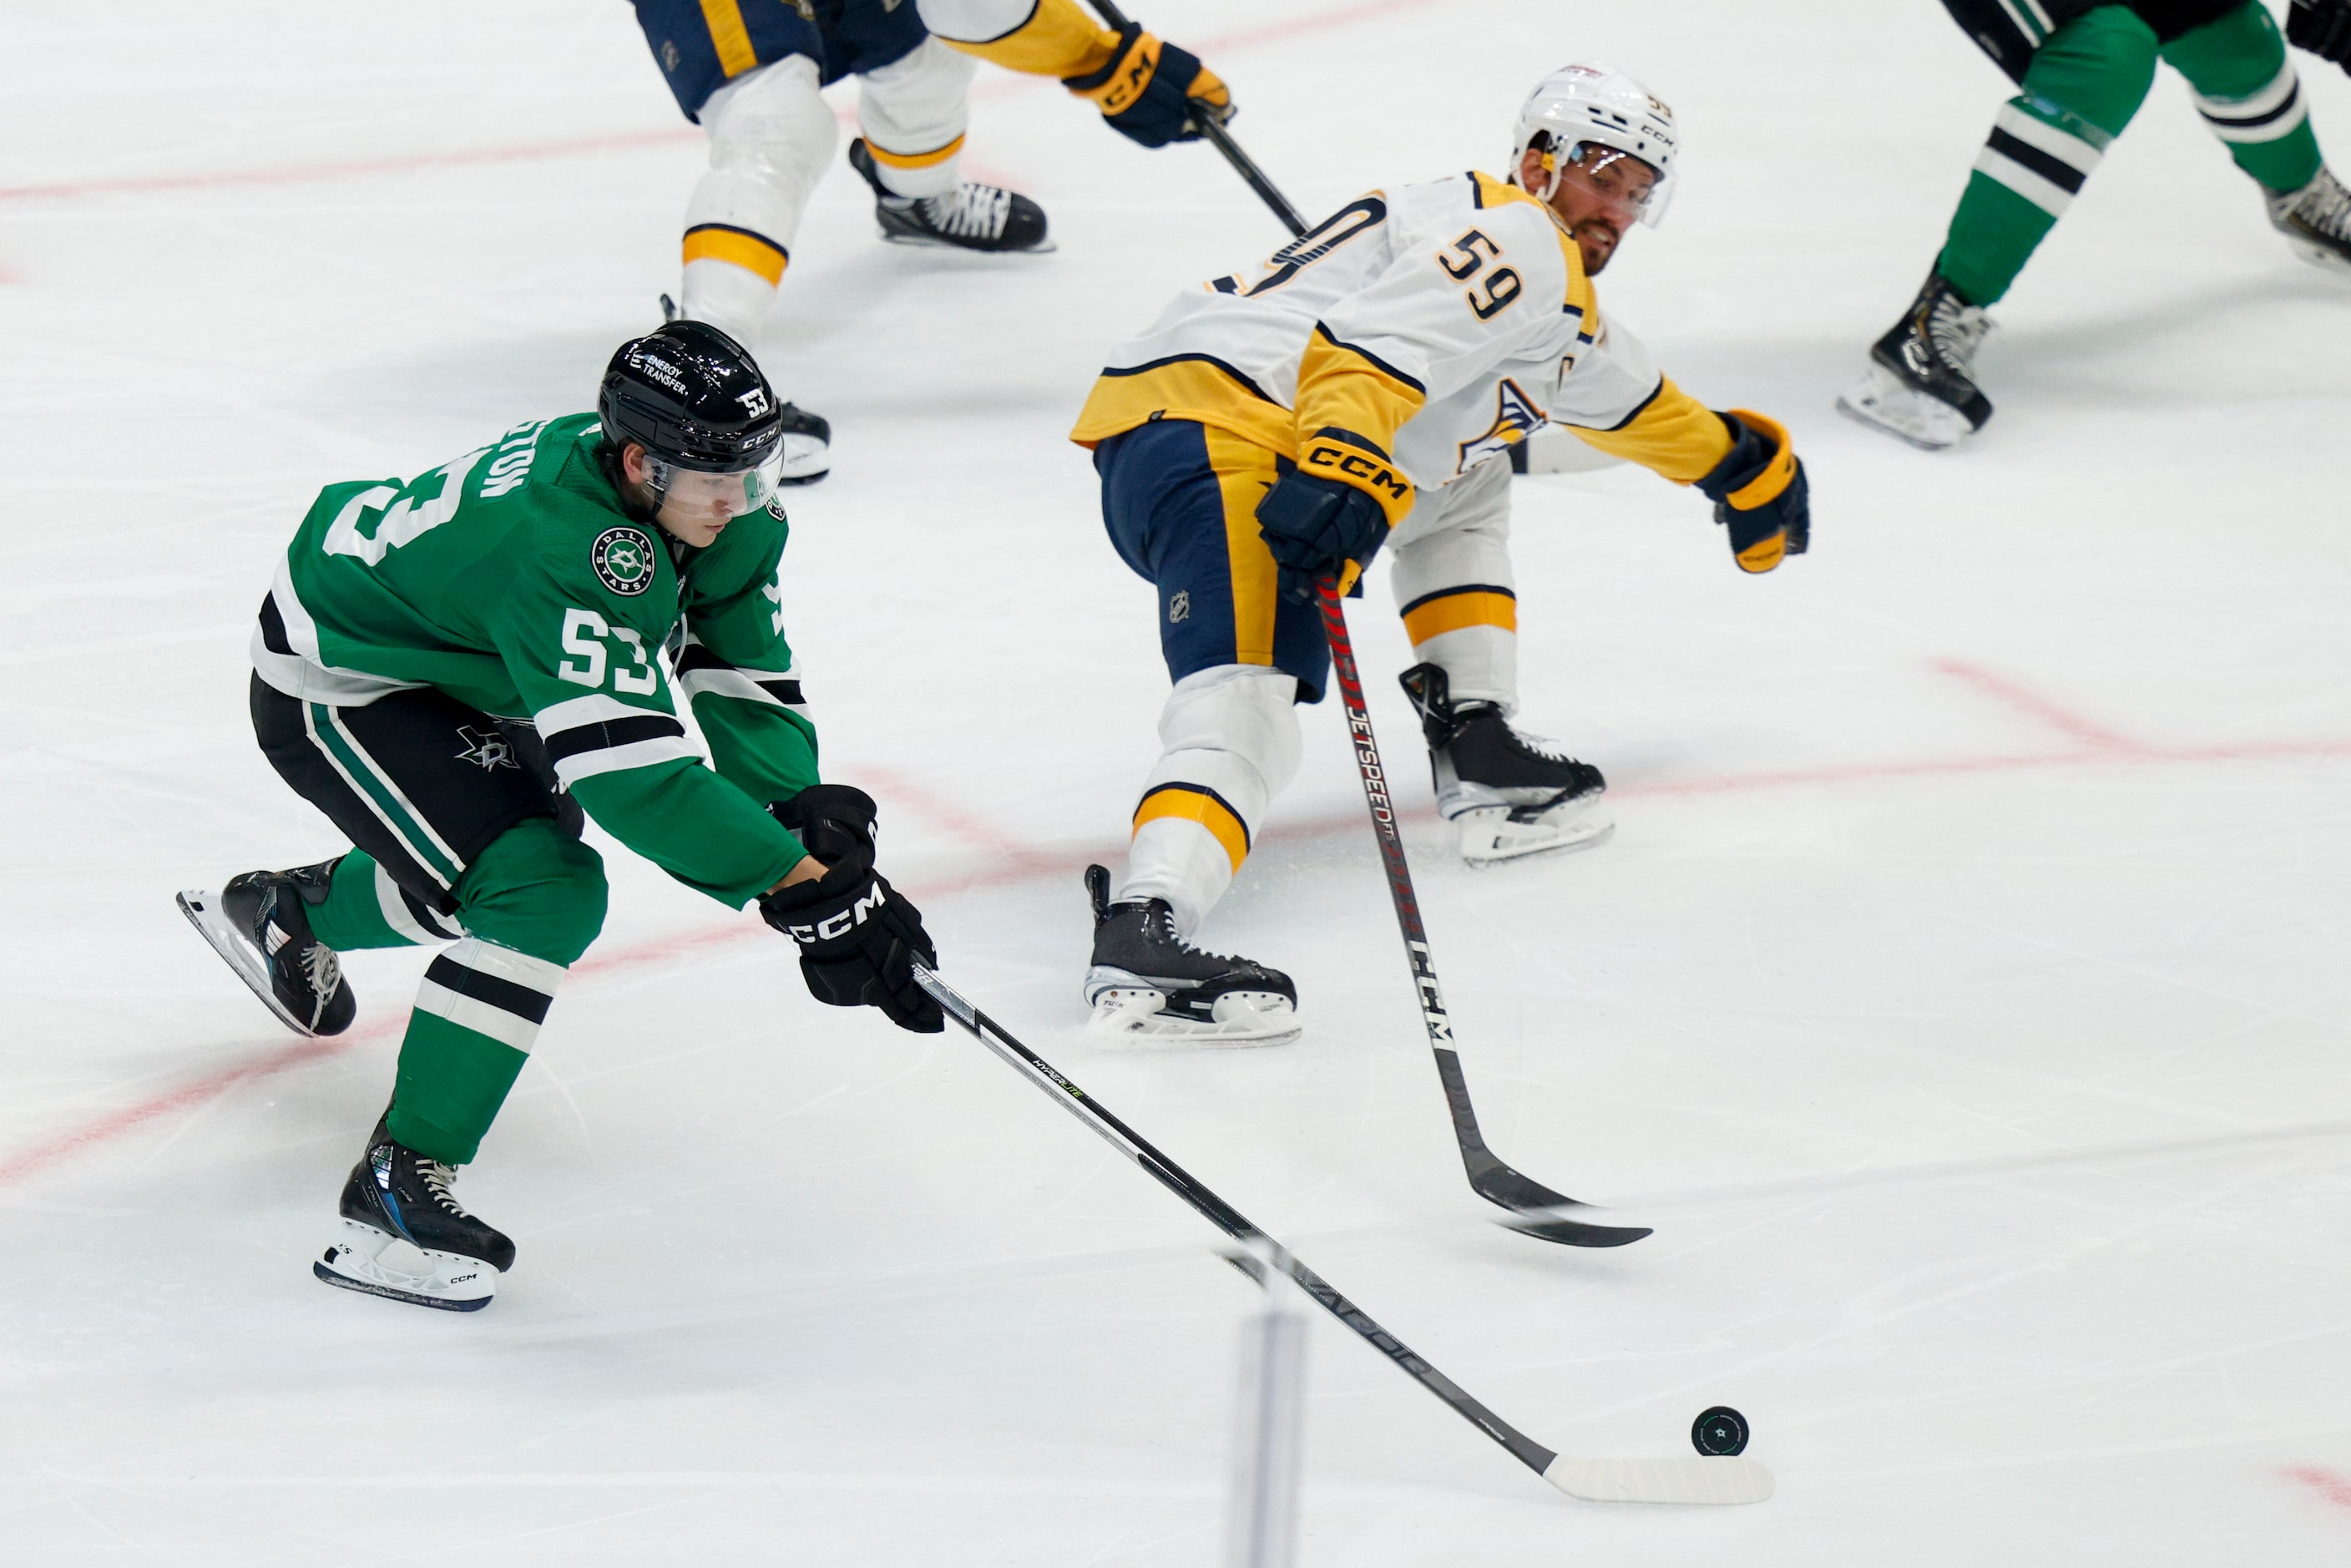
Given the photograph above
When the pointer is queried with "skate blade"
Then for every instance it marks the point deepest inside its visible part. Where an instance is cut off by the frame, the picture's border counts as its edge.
(204, 912)
(376, 1263)
(2320, 256)
(1884, 403)
(1489, 837)
(1243, 1017)
(933, 243)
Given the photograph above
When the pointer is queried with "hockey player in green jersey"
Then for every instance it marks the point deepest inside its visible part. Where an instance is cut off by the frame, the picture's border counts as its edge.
(453, 668)
(2083, 66)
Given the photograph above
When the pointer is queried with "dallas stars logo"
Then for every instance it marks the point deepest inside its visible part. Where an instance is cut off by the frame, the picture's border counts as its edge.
(488, 752)
(624, 559)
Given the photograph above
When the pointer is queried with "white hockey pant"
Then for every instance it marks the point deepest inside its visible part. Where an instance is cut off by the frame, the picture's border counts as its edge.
(1228, 738)
(771, 139)
(913, 112)
(1451, 574)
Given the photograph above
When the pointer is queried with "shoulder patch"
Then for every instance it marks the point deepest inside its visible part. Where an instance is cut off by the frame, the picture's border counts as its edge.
(624, 560)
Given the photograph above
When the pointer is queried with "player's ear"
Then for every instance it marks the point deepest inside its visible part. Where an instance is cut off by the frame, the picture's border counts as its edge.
(632, 462)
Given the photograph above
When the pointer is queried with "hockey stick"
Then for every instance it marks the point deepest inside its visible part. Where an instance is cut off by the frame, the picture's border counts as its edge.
(1683, 1480)
(1534, 1208)
(1221, 139)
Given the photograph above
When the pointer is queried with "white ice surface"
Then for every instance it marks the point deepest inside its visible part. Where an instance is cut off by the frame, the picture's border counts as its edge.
(1963, 995)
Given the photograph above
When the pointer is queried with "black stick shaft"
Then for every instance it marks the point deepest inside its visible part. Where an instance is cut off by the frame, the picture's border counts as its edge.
(1399, 872)
(1539, 1209)
(1227, 1218)
(1222, 139)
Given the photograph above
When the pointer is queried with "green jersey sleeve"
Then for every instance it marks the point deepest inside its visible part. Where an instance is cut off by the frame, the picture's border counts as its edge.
(737, 668)
(581, 639)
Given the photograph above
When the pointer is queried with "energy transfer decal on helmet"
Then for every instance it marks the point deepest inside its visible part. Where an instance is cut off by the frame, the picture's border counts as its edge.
(624, 560)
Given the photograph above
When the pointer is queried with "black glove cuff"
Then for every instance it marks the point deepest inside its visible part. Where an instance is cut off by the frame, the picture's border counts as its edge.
(1749, 456)
(830, 820)
(843, 877)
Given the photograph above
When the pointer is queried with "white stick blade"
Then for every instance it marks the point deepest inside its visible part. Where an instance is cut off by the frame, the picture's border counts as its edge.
(1693, 1482)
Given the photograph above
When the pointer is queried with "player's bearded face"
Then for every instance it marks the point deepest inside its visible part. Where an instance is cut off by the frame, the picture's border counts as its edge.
(1600, 195)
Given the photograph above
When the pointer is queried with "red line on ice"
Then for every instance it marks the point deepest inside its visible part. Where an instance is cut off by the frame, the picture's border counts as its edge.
(2059, 717)
(2335, 1489)
(1018, 863)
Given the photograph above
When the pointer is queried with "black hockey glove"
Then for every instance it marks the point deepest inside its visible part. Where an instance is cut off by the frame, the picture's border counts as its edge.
(1153, 92)
(1759, 492)
(859, 938)
(2322, 27)
(1314, 526)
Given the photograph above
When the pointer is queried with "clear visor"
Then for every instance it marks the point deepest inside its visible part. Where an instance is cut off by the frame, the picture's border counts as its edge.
(734, 494)
(1626, 185)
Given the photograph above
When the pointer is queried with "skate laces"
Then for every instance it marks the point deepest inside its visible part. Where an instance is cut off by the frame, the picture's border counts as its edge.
(438, 1179)
(2325, 205)
(979, 211)
(1956, 328)
(323, 968)
(1167, 918)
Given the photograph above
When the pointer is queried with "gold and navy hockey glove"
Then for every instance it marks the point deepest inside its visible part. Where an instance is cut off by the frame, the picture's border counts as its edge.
(1316, 526)
(1759, 492)
(2322, 27)
(1152, 91)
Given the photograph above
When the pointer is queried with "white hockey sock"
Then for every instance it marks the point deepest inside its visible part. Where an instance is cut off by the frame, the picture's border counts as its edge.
(1229, 740)
(913, 112)
(771, 139)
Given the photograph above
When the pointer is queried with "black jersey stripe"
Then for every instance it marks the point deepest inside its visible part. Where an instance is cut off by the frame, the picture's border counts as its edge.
(503, 994)
(611, 733)
(1247, 385)
(1638, 410)
(273, 627)
(1386, 369)
(2048, 165)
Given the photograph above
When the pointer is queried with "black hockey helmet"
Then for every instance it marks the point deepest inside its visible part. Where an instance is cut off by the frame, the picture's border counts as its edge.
(693, 398)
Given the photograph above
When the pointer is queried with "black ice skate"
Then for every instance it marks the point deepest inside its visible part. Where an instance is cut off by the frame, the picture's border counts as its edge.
(260, 923)
(2316, 222)
(1508, 794)
(405, 1236)
(970, 217)
(1148, 980)
(808, 437)
(1920, 386)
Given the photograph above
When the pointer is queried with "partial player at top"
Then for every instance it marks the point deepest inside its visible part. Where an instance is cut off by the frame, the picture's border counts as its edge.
(748, 72)
(1277, 425)
(2084, 67)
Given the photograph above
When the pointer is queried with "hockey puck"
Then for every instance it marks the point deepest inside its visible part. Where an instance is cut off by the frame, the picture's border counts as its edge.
(1719, 1432)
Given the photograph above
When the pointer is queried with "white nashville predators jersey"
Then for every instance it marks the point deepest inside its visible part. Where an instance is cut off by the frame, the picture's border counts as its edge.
(1443, 321)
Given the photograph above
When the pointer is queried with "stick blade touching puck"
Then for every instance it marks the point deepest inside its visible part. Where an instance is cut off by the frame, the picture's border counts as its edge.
(1719, 1432)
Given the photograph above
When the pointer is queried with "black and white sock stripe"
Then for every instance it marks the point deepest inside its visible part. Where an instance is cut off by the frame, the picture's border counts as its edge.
(491, 990)
(2278, 109)
(592, 735)
(2044, 164)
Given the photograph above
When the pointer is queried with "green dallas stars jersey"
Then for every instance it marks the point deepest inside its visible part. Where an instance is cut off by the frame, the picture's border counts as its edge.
(512, 579)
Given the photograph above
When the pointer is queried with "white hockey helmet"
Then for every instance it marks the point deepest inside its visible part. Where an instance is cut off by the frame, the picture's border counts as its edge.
(1585, 105)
